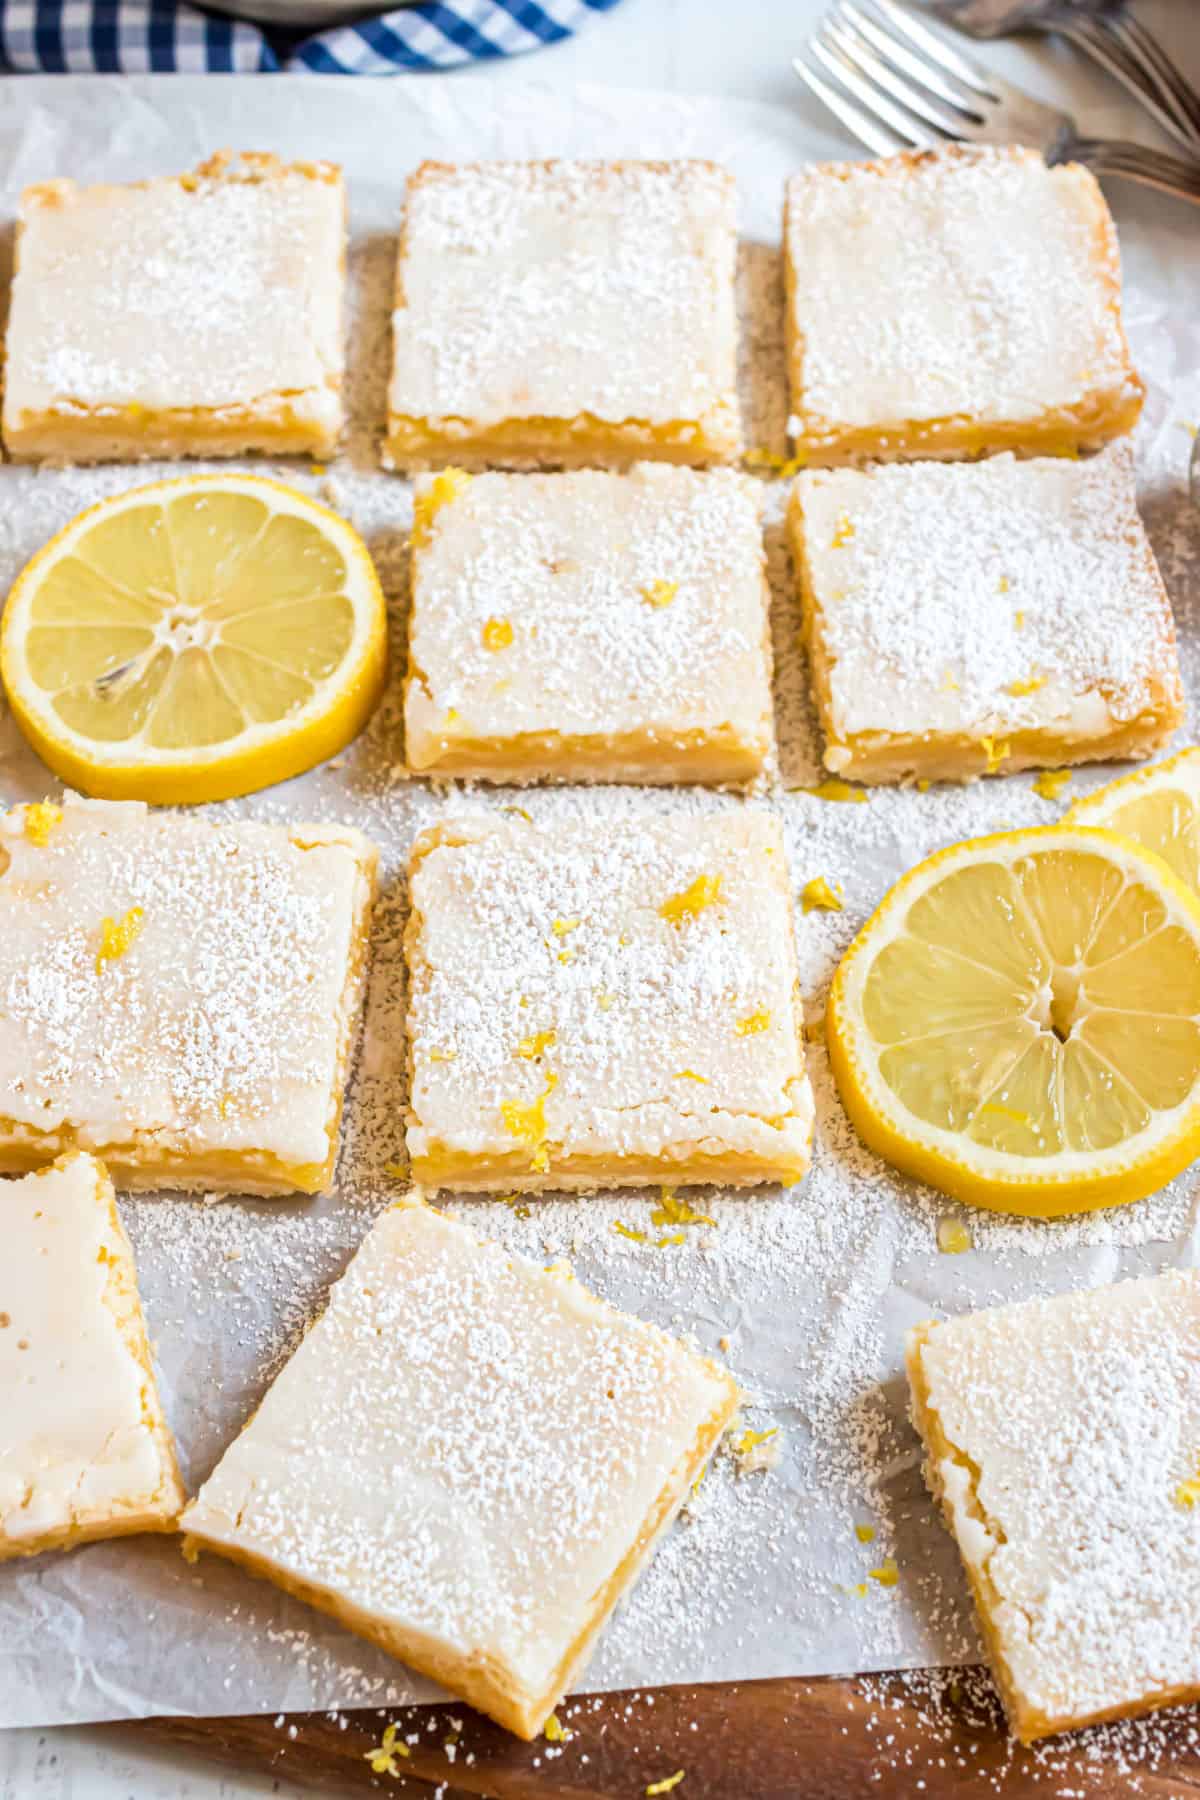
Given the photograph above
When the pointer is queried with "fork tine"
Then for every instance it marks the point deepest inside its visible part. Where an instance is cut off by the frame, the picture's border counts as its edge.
(857, 123)
(895, 52)
(858, 52)
(934, 46)
(902, 123)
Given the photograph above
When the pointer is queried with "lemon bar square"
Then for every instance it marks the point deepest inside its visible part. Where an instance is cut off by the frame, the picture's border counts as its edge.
(565, 313)
(177, 996)
(468, 1460)
(603, 1005)
(972, 618)
(943, 303)
(589, 626)
(85, 1451)
(188, 315)
(1063, 1441)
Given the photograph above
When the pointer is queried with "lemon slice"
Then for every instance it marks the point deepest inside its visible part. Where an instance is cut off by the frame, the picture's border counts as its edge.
(1158, 808)
(195, 639)
(1019, 1022)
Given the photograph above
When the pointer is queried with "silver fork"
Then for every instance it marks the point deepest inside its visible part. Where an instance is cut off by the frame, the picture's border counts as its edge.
(1109, 33)
(918, 92)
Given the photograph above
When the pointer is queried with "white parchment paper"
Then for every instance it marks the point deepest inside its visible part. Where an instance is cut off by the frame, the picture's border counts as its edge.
(811, 1290)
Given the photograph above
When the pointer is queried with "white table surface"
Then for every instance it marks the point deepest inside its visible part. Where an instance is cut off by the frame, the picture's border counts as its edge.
(685, 46)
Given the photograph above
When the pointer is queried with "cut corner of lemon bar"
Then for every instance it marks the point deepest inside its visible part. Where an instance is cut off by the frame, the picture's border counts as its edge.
(1156, 807)
(1018, 1023)
(195, 639)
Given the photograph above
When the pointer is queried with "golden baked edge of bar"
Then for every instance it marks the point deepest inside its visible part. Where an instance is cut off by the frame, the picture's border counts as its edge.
(1028, 1722)
(123, 1301)
(582, 442)
(298, 424)
(699, 757)
(443, 1170)
(143, 1162)
(483, 1681)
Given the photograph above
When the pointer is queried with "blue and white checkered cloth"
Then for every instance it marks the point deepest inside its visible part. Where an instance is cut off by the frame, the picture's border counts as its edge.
(87, 37)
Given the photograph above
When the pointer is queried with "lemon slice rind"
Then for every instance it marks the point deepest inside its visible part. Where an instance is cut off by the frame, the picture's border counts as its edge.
(1068, 1181)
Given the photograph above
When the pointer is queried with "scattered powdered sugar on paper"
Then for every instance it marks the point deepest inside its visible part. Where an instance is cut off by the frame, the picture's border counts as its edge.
(806, 1294)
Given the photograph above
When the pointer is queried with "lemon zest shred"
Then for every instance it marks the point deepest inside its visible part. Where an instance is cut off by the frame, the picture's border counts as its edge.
(753, 1023)
(924, 785)
(704, 892)
(41, 816)
(953, 1237)
(561, 927)
(659, 593)
(1018, 689)
(769, 462)
(690, 1075)
(949, 684)
(1003, 585)
(529, 1047)
(442, 1056)
(518, 812)
(1019, 620)
(995, 749)
(441, 491)
(843, 532)
(497, 634)
(859, 1590)
(887, 1574)
(526, 1121)
(383, 1757)
(818, 895)
(1051, 782)
(865, 1535)
(832, 788)
(629, 1231)
(671, 1210)
(117, 936)
(515, 1204)
(1187, 1493)
(750, 1440)
(554, 1732)
(672, 1237)
(666, 1784)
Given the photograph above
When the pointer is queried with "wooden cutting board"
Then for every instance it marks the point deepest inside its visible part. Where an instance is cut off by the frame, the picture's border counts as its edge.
(764, 1740)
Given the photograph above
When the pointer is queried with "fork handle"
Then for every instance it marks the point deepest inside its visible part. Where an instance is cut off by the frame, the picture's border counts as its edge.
(1133, 162)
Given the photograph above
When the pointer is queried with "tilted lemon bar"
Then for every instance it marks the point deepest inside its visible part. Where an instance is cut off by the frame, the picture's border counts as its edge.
(943, 303)
(178, 996)
(468, 1460)
(604, 1004)
(565, 313)
(189, 315)
(973, 618)
(1063, 1441)
(589, 626)
(85, 1451)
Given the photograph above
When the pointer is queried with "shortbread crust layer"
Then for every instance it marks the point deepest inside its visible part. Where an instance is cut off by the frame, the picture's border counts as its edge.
(85, 1452)
(192, 315)
(589, 626)
(604, 1006)
(953, 303)
(1063, 1438)
(179, 997)
(977, 619)
(565, 313)
(408, 1473)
